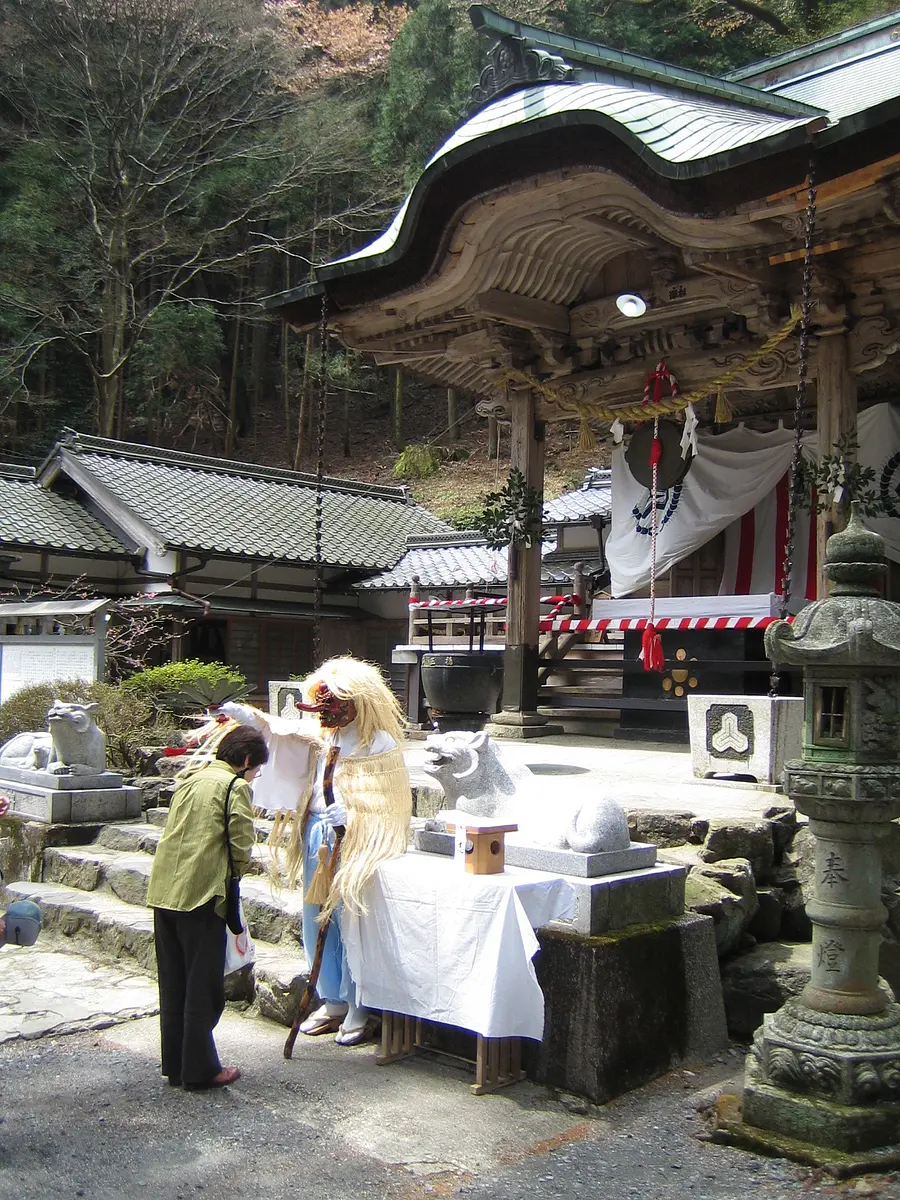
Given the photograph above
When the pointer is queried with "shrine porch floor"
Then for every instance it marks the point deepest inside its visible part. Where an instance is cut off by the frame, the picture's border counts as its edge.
(639, 775)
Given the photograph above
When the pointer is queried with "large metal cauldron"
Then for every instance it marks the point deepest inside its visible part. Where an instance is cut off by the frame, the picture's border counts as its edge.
(462, 687)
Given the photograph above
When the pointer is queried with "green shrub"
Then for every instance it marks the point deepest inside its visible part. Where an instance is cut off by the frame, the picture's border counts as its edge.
(127, 719)
(418, 462)
(26, 711)
(186, 686)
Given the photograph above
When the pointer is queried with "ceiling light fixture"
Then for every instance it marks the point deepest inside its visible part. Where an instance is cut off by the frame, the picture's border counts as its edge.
(631, 305)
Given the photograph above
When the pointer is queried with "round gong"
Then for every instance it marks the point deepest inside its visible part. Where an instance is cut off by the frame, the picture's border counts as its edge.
(672, 467)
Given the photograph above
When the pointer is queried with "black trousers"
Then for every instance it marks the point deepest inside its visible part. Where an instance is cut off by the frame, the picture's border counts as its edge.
(190, 960)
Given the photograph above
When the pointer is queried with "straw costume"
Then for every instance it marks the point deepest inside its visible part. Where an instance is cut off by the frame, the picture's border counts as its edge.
(357, 763)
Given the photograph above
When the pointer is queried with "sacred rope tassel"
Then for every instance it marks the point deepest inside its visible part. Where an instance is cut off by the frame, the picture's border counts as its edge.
(586, 440)
(723, 409)
(320, 884)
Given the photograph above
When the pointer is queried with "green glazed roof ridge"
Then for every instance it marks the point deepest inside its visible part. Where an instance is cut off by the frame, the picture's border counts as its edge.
(17, 471)
(82, 443)
(800, 52)
(636, 66)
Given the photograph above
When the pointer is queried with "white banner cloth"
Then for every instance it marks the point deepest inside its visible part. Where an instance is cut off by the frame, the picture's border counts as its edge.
(735, 473)
(447, 946)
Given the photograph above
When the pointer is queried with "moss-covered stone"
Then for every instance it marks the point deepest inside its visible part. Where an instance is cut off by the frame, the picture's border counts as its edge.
(623, 1007)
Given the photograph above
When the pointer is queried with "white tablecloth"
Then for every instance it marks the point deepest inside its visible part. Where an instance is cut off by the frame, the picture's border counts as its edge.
(443, 945)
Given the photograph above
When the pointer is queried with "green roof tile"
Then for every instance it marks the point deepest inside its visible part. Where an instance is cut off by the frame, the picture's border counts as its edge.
(210, 506)
(31, 515)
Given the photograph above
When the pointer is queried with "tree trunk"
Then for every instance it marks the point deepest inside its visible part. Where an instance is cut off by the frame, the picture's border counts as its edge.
(231, 430)
(304, 394)
(346, 437)
(397, 409)
(114, 317)
(452, 434)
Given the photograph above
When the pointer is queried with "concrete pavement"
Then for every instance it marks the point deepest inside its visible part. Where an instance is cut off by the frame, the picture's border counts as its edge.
(88, 1115)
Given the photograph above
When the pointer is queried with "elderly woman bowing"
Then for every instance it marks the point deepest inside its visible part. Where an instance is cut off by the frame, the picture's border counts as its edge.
(210, 825)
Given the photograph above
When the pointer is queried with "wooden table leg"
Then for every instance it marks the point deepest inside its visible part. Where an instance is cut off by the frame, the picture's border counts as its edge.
(498, 1064)
(398, 1038)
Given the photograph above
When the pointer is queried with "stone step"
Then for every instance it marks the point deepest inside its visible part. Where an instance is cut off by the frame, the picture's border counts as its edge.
(135, 837)
(102, 925)
(273, 914)
(158, 817)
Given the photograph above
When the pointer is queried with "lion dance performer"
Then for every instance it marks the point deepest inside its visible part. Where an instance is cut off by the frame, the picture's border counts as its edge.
(357, 783)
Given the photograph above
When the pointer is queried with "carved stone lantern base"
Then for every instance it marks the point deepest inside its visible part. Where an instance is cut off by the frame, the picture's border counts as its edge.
(832, 1079)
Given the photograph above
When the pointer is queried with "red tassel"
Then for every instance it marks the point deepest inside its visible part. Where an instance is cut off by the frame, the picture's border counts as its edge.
(652, 650)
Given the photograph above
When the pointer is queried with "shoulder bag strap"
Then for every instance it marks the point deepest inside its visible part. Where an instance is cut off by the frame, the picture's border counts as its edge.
(228, 823)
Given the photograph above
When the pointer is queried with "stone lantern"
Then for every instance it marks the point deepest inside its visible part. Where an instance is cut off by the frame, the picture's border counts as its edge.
(825, 1068)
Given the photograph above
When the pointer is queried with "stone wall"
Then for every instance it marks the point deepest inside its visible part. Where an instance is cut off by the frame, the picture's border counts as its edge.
(753, 876)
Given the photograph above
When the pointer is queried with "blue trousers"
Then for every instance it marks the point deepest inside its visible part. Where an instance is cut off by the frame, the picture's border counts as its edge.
(335, 985)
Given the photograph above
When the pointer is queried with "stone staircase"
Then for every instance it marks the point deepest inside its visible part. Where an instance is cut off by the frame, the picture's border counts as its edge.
(93, 898)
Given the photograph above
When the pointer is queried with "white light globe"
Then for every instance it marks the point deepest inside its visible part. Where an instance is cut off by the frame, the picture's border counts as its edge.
(630, 305)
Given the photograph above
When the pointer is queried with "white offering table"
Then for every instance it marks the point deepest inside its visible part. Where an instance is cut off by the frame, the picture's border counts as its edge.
(440, 944)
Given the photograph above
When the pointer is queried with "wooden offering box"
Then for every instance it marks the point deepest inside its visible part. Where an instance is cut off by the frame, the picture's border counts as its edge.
(480, 841)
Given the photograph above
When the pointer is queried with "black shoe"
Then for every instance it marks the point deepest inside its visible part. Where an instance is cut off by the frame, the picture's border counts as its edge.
(174, 1080)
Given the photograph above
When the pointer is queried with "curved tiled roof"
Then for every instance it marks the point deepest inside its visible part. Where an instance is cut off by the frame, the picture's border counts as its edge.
(31, 515)
(209, 506)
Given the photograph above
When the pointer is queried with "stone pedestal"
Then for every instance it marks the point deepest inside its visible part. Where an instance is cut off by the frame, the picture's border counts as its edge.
(513, 725)
(67, 799)
(744, 735)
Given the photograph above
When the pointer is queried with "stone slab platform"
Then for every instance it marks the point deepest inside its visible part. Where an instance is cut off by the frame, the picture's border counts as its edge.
(48, 994)
(588, 866)
(55, 805)
(64, 782)
(604, 902)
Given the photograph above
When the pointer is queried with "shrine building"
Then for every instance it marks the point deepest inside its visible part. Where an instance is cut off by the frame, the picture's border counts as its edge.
(655, 255)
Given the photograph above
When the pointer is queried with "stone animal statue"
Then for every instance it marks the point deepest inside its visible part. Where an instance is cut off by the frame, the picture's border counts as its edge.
(475, 779)
(74, 744)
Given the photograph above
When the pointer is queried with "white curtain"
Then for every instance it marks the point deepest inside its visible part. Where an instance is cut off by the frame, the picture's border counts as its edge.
(736, 473)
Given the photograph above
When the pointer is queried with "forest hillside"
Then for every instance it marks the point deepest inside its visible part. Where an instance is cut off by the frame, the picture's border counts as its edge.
(168, 163)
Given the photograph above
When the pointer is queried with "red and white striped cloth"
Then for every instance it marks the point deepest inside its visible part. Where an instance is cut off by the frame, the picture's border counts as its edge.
(486, 602)
(625, 624)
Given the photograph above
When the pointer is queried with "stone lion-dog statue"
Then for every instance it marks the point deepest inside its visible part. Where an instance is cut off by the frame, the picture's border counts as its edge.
(73, 745)
(475, 779)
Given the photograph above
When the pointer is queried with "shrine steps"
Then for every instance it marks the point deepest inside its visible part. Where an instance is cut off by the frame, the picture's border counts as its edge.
(93, 899)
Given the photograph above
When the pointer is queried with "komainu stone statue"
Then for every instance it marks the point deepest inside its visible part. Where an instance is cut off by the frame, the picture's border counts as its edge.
(74, 745)
(475, 779)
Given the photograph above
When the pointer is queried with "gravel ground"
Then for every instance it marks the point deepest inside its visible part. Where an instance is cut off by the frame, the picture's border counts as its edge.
(88, 1115)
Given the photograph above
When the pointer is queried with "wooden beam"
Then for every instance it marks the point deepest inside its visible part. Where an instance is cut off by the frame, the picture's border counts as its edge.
(835, 189)
(521, 311)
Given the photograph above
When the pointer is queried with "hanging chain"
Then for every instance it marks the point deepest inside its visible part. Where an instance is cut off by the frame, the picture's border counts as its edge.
(802, 377)
(318, 585)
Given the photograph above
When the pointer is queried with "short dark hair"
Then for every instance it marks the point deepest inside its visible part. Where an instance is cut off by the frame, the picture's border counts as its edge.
(243, 746)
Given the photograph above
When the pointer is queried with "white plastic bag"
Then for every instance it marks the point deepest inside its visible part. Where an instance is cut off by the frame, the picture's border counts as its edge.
(239, 947)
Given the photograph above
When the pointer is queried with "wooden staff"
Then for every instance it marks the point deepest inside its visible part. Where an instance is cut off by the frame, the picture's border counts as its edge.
(310, 989)
(329, 868)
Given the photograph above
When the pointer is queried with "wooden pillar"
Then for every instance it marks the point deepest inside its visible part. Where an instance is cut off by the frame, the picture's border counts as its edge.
(520, 678)
(835, 419)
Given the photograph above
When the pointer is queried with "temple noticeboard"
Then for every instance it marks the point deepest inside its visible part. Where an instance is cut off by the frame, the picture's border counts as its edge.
(47, 641)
